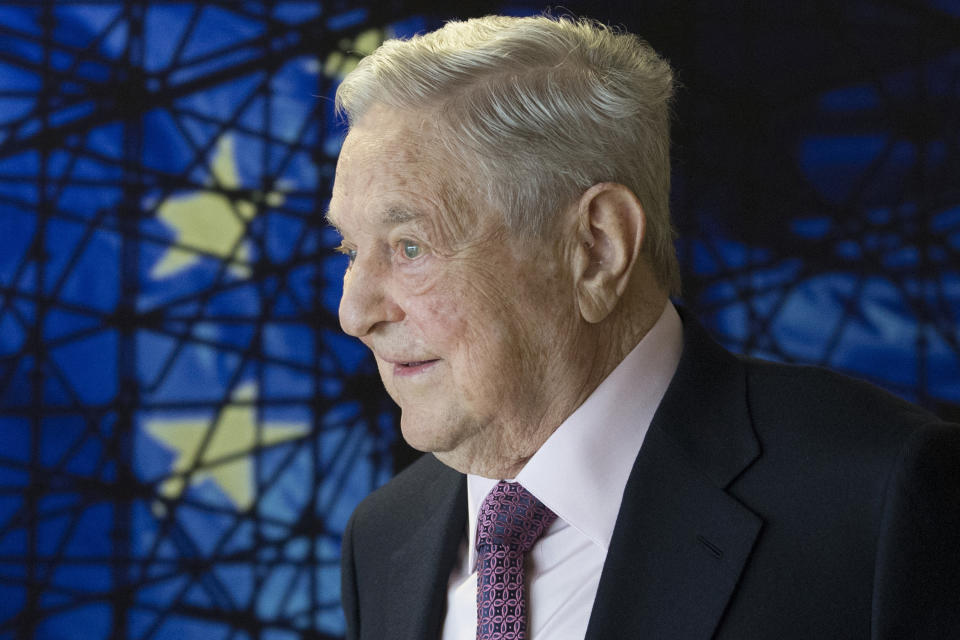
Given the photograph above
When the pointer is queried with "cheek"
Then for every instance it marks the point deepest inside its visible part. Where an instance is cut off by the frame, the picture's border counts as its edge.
(457, 321)
(481, 316)
(439, 318)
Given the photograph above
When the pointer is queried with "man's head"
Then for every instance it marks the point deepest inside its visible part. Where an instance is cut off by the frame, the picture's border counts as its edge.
(503, 196)
(539, 110)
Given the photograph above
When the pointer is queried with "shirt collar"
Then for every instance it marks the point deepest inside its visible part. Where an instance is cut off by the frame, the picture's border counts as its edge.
(581, 471)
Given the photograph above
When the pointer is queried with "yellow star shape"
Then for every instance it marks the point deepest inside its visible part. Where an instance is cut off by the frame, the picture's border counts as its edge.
(207, 222)
(341, 62)
(226, 460)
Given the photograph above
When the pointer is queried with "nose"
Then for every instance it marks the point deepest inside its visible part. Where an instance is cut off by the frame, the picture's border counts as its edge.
(367, 301)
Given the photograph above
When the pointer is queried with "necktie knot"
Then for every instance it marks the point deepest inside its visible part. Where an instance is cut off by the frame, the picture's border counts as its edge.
(512, 518)
(510, 522)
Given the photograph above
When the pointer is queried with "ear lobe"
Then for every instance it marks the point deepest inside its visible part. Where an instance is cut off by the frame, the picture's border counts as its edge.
(610, 232)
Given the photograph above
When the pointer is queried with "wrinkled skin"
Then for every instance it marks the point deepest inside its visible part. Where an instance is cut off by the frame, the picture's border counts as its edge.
(477, 336)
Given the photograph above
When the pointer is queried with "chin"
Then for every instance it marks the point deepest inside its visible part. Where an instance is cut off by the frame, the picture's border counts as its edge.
(422, 433)
(437, 434)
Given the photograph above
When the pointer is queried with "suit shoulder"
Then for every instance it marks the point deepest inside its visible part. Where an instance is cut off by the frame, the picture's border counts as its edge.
(831, 421)
(406, 495)
(835, 446)
(813, 395)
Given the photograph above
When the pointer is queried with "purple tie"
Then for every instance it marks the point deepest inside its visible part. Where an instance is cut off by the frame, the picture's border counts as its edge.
(511, 520)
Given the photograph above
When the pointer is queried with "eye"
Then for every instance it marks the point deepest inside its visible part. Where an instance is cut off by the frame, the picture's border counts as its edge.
(411, 250)
(347, 251)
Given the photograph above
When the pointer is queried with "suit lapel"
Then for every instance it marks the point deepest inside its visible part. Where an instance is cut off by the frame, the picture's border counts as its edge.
(422, 563)
(681, 541)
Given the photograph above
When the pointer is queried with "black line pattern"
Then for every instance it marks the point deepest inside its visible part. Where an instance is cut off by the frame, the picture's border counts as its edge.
(817, 200)
(185, 431)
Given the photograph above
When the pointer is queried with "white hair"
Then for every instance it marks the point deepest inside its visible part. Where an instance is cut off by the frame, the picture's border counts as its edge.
(540, 109)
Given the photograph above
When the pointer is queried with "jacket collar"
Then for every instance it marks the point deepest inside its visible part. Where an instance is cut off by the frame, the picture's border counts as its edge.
(705, 408)
(681, 541)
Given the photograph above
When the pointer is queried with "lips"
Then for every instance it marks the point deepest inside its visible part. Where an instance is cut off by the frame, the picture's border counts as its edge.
(413, 367)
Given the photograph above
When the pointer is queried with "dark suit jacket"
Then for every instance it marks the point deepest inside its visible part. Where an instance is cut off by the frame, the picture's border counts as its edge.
(767, 501)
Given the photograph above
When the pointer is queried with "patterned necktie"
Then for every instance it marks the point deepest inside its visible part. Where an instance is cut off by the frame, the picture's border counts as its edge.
(511, 520)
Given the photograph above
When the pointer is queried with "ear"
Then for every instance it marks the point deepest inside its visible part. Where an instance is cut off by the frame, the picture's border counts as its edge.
(610, 231)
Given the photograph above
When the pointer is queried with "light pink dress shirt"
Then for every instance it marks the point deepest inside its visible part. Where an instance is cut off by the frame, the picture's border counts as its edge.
(580, 473)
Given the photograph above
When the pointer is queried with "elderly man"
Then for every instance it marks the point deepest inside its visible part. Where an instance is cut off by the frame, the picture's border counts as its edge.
(600, 468)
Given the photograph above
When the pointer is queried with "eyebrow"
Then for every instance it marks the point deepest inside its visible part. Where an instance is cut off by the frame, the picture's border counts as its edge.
(396, 215)
(391, 217)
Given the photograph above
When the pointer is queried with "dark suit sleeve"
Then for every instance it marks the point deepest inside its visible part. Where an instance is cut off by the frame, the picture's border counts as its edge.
(348, 584)
(917, 571)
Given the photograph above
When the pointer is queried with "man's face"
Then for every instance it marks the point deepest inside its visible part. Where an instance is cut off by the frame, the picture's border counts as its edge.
(468, 326)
